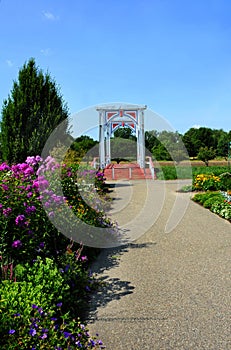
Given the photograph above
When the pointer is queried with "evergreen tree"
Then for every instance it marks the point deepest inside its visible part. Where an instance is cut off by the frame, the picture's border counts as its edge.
(30, 114)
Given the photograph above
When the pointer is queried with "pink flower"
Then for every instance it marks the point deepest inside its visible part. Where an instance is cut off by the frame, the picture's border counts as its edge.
(84, 258)
(4, 167)
(17, 244)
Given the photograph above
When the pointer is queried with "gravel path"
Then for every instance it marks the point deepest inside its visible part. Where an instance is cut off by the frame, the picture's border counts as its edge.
(165, 290)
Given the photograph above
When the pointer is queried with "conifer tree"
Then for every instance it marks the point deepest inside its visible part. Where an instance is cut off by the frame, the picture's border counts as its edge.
(30, 114)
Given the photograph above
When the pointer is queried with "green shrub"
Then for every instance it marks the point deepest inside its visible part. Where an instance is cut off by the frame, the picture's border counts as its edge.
(203, 197)
(210, 201)
(225, 179)
(217, 202)
(223, 209)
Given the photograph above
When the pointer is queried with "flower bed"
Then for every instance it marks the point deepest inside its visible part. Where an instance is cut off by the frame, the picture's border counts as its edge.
(218, 202)
(45, 282)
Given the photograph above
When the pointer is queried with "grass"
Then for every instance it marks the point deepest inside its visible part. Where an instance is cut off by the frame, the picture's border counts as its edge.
(167, 170)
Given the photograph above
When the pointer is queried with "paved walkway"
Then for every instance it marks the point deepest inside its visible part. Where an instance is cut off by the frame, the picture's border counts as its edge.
(165, 290)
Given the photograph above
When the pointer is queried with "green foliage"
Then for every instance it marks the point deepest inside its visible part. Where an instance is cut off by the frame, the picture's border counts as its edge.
(40, 284)
(204, 197)
(123, 148)
(223, 146)
(166, 145)
(125, 133)
(210, 201)
(225, 179)
(222, 208)
(173, 172)
(45, 330)
(205, 154)
(168, 172)
(151, 139)
(30, 114)
(215, 170)
(195, 138)
(84, 146)
(216, 202)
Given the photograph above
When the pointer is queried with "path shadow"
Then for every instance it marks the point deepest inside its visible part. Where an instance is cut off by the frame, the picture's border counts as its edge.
(109, 289)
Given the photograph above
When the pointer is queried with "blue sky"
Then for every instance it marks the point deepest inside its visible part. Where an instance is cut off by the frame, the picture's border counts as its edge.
(172, 55)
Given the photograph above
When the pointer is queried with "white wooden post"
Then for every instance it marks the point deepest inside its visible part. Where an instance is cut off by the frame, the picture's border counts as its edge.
(101, 140)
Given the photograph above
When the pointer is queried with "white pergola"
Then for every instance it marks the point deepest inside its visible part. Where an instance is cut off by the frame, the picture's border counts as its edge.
(112, 117)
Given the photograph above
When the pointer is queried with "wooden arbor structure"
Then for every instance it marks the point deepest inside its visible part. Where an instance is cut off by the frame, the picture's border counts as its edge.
(112, 117)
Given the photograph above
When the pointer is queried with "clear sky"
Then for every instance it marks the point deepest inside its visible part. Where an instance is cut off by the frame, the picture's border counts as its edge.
(172, 55)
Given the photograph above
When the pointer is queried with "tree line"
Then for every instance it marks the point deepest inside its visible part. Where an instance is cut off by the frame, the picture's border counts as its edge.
(202, 143)
(35, 108)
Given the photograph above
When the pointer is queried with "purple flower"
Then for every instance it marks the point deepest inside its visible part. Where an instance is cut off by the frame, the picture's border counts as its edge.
(29, 194)
(53, 319)
(67, 267)
(17, 314)
(40, 310)
(31, 160)
(44, 336)
(43, 184)
(35, 184)
(17, 244)
(34, 306)
(4, 167)
(20, 220)
(66, 334)
(38, 159)
(59, 304)
(87, 289)
(29, 171)
(5, 187)
(15, 168)
(7, 211)
(51, 214)
(30, 209)
(23, 166)
(41, 245)
(32, 332)
(11, 331)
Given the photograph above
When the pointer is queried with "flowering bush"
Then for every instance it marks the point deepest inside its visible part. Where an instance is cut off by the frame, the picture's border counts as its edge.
(218, 202)
(210, 182)
(42, 293)
(43, 330)
(205, 182)
(25, 190)
(39, 265)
